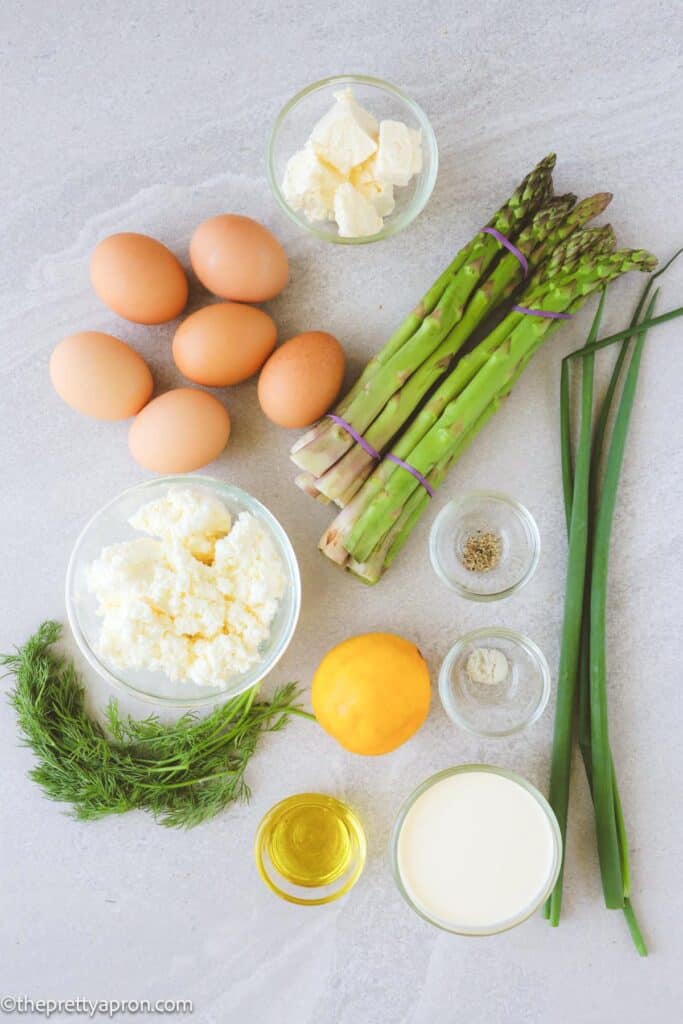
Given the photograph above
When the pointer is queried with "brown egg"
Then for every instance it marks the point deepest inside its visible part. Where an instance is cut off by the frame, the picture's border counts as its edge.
(100, 376)
(139, 278)
(237, 258)
(223, 344)
(179, 431)
(301, 380)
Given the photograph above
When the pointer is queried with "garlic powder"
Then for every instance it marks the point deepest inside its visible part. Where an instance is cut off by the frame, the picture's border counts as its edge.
(487, 666)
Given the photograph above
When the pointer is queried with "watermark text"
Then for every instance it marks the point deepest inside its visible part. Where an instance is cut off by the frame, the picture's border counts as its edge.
(92, 1008)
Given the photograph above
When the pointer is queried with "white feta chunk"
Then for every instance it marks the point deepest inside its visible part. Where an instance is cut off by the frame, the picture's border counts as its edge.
(380, 193)
(362, 116)
(399, 153)
(309, 185)
(355, 215)
(340, 140)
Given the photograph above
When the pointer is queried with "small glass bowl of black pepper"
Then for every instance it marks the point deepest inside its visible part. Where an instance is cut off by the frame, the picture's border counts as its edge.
(484, 545)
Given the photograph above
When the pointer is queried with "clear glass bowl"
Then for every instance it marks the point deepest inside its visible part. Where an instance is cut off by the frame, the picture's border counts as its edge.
(480, 512)
(495, 709)
(110, 526)
(296, 121)
(310, 849)
(544, 890)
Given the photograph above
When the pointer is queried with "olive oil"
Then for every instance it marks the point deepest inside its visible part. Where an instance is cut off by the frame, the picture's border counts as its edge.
(310, 841)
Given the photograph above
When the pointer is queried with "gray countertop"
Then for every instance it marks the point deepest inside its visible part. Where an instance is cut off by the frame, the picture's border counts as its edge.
(151, 117)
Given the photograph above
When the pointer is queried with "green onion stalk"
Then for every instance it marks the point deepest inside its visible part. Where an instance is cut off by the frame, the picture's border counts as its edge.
(589, 508)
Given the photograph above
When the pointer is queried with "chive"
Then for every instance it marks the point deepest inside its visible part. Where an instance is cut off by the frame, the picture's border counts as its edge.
(602, 767)
(566, 444)
(629, 332)
(573, 605)
(621, 836)
(599, 509)
(584, 726)
(636, 935)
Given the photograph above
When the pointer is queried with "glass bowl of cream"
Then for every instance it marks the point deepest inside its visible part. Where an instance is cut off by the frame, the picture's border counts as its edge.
(476, 850)
(184, 591)
(352, 159)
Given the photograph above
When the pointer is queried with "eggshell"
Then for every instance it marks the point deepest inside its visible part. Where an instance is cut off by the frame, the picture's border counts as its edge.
(301, 380)
(237, 258)
(139, 278)
(100, 376)
(223, 344)
(179, 431)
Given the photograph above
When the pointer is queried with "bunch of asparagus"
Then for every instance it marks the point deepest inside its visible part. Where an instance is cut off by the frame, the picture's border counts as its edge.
(393, 406)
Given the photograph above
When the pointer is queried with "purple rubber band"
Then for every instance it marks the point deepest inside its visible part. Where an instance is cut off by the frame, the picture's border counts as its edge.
(415, 472)
(374, 454)
(543, 312)
(509, 246)
(358, 438)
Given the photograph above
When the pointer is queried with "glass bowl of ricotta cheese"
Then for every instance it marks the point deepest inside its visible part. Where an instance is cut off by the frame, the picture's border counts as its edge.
(184, 591)
(352, 159)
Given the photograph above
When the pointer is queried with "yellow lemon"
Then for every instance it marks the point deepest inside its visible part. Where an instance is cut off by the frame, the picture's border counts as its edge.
(371, 692)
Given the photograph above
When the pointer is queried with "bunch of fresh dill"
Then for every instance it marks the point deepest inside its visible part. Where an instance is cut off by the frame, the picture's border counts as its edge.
(183, 773)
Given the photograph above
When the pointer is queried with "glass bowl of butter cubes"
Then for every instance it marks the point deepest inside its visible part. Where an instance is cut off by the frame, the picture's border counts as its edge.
(184, 591)
(352, 159)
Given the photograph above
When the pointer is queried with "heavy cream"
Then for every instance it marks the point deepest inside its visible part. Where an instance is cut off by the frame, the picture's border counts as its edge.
(476, 851)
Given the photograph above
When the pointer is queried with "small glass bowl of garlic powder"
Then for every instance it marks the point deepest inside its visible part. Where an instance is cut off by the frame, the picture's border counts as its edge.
(184, 591)
(494, 682)
(352, 159)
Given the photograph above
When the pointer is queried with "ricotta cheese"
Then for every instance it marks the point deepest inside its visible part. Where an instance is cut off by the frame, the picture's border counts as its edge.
(196, 598)
(349, 167)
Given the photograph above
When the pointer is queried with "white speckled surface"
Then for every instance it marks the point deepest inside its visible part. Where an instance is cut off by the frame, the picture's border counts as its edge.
(151, 117)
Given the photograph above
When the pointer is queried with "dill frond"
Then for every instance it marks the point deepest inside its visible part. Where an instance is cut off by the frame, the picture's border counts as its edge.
(183, 773)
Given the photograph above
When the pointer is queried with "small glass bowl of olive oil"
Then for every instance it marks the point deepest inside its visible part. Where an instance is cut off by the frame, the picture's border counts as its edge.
(310, 849)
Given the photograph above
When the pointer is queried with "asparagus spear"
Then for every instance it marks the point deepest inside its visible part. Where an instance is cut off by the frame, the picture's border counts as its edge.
(346, 476)
(393, 345)
(587, 245)
(307, 483)
(323, 445)
(582, 213)
(555, 219)
(333, 541)
(524, 335)
(523, 340)
(387, 550)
